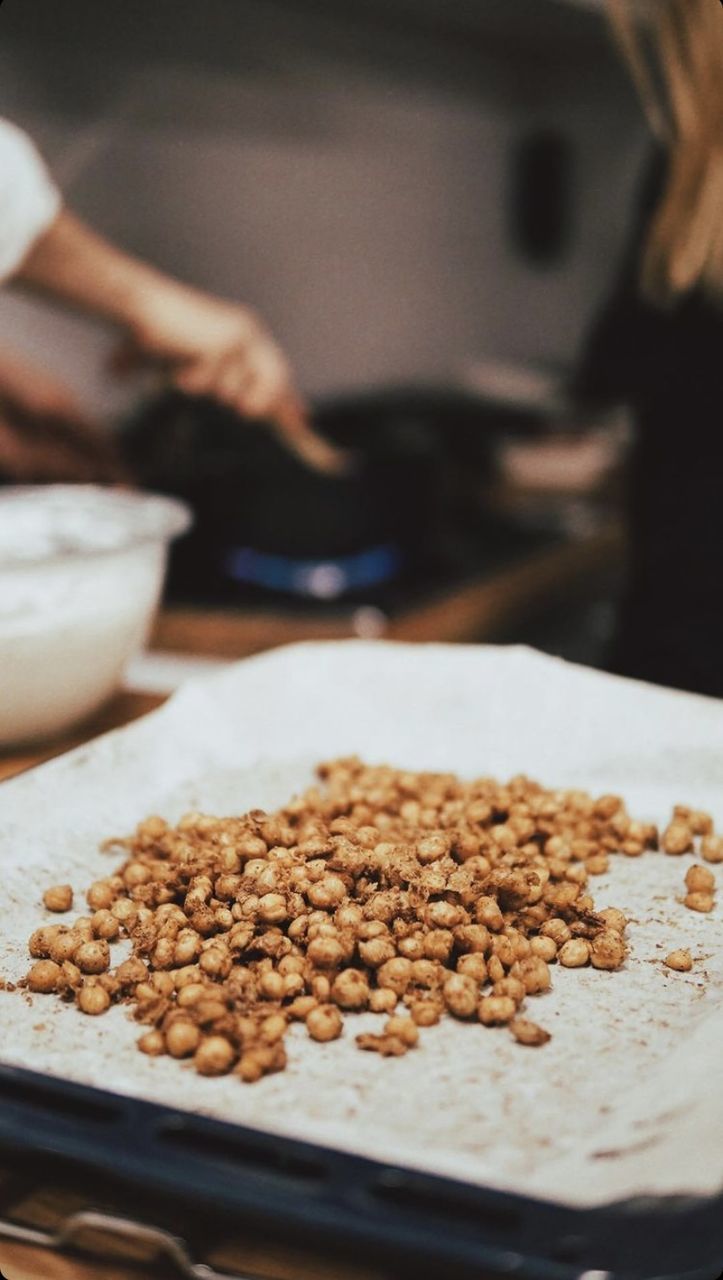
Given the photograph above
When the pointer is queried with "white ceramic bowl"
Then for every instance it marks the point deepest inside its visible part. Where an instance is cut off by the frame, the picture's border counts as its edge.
(81, 573)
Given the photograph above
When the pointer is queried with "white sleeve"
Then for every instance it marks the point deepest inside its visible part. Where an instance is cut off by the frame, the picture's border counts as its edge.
(29, 200)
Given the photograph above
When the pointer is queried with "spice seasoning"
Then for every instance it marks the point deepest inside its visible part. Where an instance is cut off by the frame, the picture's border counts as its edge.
(405, 894)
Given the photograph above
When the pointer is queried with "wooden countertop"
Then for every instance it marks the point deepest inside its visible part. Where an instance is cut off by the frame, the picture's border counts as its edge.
(102, 1255)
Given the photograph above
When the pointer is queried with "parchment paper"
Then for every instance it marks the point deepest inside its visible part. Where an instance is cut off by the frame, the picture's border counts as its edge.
(626, 1100)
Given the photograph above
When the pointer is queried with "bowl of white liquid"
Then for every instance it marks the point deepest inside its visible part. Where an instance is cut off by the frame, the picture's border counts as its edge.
(81, 574)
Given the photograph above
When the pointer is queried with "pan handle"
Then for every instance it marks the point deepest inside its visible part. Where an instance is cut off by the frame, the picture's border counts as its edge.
(69, 1236)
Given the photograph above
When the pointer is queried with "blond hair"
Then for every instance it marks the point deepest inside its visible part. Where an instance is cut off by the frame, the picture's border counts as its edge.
(674, 49)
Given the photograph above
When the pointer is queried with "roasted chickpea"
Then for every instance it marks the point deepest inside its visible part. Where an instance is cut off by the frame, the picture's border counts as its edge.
(272, 908)
(324, 1023)
(438, 944)
(699, 902)
(105, 925)
(42, 940)
(215, 962)
(699, 880)
(328, 893)
(607, 950)
(574, 954)
(182, 1039)
(101, 895)
(301, 1007)
(487, 912)
(711, 848)
(677, 838)
(93, 999)
(64, 946)
(44, 976)
(461, 995)
(528, 1033)
(325, 953)
(130, 972)
(432, 848)
(152, 1043)
(556, 929)
(544, 949)
(512, 987)
(426, 1012)
(680, 960)
(404, 1029)
(214, 1056)
(93, 957)
(613, 919)
(473, 965)
(350, 989)
(496, 1010)
(376, 951)
(59, 898)
(273, 1028)
(190, 994)
(534, 975)
(383, 1000)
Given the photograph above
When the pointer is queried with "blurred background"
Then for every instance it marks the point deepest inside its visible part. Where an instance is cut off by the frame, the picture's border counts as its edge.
(427, 200)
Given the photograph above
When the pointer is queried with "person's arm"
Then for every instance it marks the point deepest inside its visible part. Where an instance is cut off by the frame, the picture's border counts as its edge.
(46, 435)
(206, 345)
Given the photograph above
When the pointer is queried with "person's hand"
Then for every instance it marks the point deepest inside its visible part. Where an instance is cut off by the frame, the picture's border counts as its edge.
(33, 392)
(204, 345)
(210, 347)
(45, 435)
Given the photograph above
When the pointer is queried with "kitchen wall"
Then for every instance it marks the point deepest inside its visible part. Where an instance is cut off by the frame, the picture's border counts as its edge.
(344, 168)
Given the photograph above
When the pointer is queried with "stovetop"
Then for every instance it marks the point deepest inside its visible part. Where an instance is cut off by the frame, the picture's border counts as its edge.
(455, 561)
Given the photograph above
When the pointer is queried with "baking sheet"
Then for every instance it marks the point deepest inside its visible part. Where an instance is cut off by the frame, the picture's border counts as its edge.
(626, 1100)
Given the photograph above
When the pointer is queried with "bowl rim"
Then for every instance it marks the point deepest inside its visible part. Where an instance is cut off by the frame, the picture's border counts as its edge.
(178, 519)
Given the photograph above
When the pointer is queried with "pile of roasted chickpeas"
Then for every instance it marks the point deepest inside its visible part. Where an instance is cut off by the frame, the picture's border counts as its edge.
(410, 895)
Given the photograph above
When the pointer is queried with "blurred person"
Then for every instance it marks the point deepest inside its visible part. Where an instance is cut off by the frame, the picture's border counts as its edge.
(45, 434)
(204, 345)
(659, 345)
